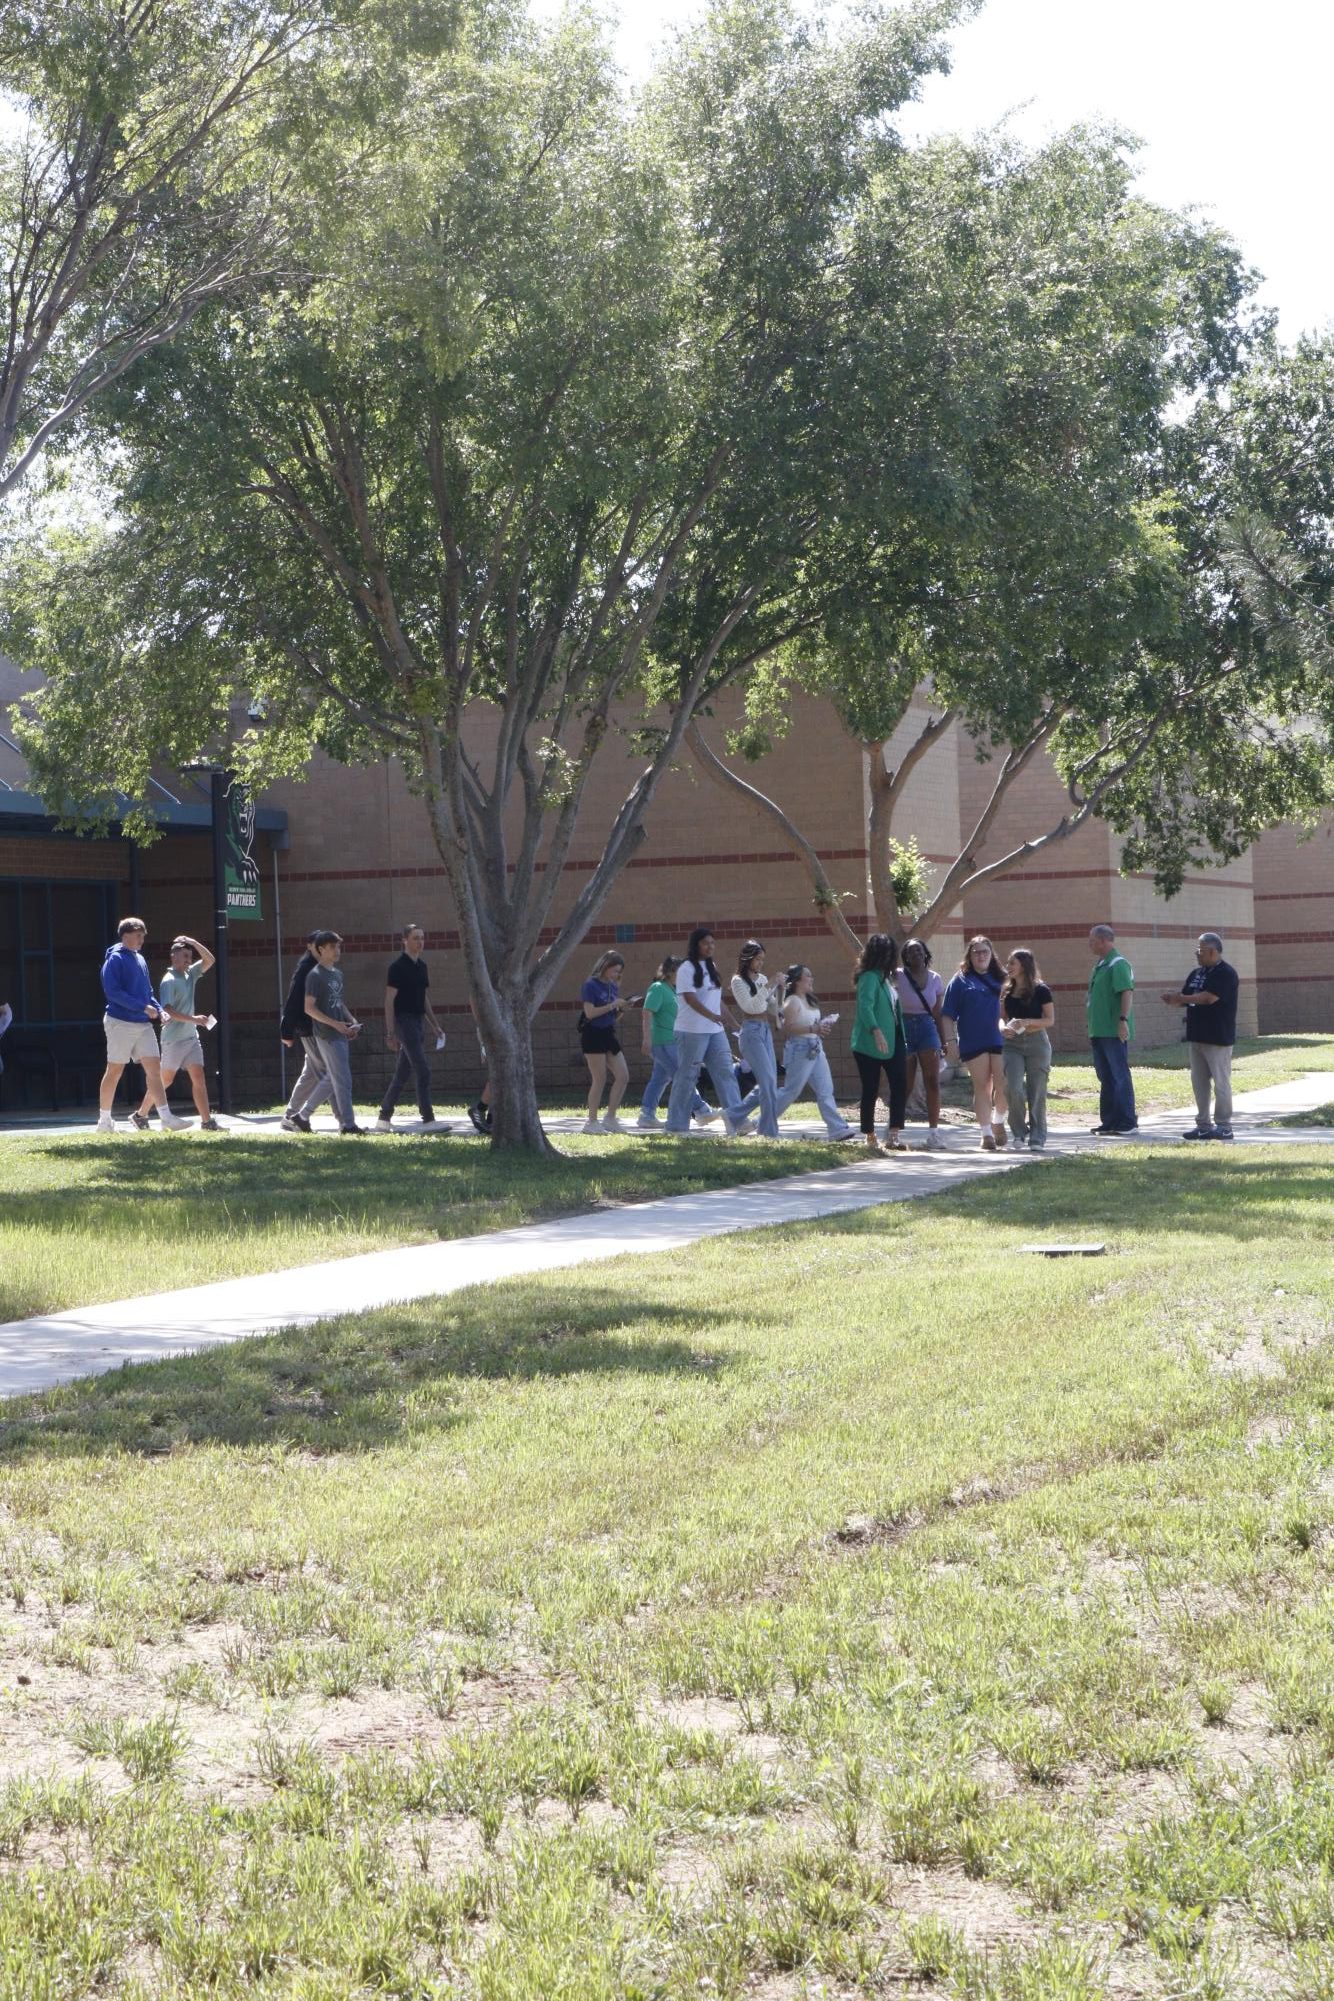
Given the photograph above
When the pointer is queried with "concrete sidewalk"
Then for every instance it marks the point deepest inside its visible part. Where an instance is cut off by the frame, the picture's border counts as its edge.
(53, 1348)
(88, 1340)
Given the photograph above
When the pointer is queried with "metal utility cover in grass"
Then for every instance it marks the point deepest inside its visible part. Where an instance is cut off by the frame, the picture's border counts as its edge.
(1062, 1250)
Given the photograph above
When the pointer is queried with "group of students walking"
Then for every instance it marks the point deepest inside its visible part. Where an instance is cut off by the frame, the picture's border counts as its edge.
(316, 1016)
(994, 1019)
(904, 1020)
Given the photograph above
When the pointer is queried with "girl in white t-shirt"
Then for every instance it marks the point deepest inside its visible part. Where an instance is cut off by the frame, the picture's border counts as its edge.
(702, 1037)
(804, 1055)
(757, 1003)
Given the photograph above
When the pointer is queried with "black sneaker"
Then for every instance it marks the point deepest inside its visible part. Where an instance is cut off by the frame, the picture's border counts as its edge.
(480, 1116)
(1224, 1132)
(138, 1120)
(352, 1129)
(1201, 1132)
(209, 1125)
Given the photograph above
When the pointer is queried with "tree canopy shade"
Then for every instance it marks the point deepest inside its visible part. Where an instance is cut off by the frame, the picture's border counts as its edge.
(1071, 594)
(137, 171)
(1276, 442)
(537, 449)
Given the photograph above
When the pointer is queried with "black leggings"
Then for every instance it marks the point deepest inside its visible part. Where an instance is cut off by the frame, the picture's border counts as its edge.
(895, 1068)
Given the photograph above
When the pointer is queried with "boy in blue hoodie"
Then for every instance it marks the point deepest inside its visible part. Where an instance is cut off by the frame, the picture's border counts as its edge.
(128, 1021)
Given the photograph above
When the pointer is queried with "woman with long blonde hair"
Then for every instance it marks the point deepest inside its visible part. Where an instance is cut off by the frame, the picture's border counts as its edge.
(972, 1004)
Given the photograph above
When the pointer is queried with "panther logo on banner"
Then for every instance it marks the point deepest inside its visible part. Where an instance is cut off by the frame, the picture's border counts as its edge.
(240, 869)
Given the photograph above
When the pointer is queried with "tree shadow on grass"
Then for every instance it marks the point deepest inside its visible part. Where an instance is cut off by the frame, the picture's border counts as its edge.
(383, 1187)
(357, 1385)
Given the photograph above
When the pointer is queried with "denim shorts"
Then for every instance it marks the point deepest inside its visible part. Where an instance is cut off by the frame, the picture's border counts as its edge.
(920, 1032)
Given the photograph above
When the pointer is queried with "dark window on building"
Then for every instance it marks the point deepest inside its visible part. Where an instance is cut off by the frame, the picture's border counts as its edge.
(52, 937)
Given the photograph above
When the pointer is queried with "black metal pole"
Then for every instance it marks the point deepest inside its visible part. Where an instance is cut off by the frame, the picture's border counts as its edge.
(218, 800)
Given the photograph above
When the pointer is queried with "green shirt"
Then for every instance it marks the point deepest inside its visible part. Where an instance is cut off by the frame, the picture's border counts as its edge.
(178, 990)
(1110, 978)
(660, 1001)
(877, 1007)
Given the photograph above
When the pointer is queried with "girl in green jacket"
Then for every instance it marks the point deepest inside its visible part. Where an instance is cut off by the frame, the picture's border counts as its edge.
(877, 1041)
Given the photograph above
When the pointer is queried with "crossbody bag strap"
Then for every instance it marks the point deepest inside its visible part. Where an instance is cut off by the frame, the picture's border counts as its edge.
(934, 1012)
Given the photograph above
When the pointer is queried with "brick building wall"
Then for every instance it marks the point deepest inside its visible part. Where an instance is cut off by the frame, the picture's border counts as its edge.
(1294, 922)
(362, 859)
(1049, 902)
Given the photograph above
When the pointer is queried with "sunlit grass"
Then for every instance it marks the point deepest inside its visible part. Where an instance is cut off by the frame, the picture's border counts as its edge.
(709, 1625)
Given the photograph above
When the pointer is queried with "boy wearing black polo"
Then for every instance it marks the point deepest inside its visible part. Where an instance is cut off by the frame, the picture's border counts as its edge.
(407, 1018)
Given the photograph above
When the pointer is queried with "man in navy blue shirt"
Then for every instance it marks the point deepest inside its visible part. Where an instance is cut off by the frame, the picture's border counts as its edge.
(130, 1022)
(1209, 998)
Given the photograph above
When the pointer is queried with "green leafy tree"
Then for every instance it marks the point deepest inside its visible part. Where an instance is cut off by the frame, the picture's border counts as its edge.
(1067, 595)
(556, 369)
(1275, 445)
(136, 185)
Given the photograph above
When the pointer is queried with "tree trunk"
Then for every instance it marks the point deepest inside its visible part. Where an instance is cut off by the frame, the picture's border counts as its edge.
(516, 1126)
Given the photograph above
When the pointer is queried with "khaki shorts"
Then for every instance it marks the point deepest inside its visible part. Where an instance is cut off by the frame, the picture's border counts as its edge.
(182, 1052)
(129, 1041)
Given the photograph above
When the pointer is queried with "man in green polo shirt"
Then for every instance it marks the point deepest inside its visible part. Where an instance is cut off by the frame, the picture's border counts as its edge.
(1111, 1024)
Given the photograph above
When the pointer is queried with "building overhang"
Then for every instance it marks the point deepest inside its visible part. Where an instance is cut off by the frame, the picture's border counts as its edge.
(24, 813)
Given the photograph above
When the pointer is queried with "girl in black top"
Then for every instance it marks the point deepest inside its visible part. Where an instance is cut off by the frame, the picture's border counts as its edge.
(1027, 1014)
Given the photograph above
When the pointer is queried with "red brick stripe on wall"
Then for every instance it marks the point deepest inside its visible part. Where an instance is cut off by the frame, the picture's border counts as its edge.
(665, 935)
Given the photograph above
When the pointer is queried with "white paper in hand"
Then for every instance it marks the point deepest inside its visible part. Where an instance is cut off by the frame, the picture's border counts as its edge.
(828, 1020)
(439, 1041)
(212, 1021)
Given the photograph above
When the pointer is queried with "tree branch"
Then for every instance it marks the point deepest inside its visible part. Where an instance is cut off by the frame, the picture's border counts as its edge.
(826, 897)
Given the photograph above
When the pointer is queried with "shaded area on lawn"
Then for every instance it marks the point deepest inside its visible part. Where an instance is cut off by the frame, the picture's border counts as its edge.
(350, 1387)
(87, 1219)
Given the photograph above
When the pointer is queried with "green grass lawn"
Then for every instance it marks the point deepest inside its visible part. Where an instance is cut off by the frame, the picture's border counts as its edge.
(90, 1218)
(860, 1608)
(1162, 1076)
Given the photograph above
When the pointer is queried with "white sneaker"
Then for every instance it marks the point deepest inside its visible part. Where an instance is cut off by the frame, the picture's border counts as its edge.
(167, 1118)
(105, 1123)
(741, 1130)
(383, 1126)
(643, 1125)
(707, 1118)
(611, 1124)
(935, 1140)
(591, 1126)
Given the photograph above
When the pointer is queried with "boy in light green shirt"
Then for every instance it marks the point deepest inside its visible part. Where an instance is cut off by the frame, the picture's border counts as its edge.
(181, 1047)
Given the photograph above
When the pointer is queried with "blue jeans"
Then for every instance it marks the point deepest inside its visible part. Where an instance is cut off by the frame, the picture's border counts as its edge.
(1116, 1093)
(666, 1057)
(757, 1049)
(713, 1053)
(806, 1064)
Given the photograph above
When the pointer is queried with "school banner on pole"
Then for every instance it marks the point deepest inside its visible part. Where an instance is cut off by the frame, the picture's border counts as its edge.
(240, 869)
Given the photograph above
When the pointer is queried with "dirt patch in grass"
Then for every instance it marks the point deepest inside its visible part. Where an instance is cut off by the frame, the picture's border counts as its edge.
(713, 1714)
(1246, 1740)
(985, 1914)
